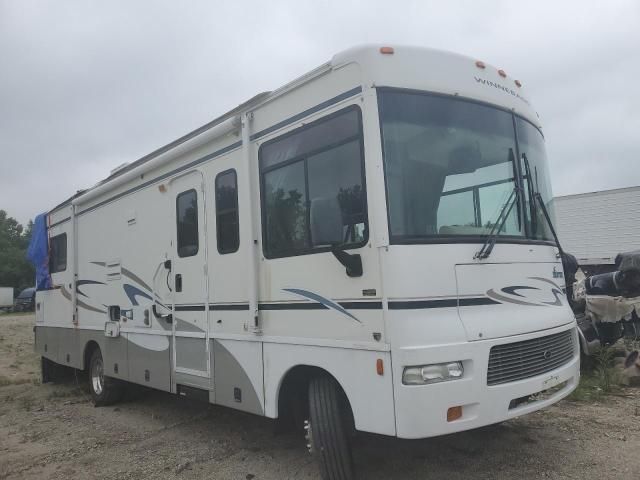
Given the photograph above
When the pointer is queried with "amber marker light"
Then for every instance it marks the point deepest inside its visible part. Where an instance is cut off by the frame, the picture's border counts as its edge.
(502, 73)
(380, 366)
(480, 64)
(386, 50)
(454, 413)
(518, 83)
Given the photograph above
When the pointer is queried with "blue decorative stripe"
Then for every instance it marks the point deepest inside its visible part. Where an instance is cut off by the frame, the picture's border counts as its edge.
(321, 300)
(190, 308)
(80, 283)
(439, 303)
(133, 292)
(230, 307)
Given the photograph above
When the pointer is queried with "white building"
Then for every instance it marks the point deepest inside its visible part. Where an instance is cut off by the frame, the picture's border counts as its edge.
(596, 226)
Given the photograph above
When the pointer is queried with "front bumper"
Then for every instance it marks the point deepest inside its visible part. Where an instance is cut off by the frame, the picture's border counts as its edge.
(421, 411)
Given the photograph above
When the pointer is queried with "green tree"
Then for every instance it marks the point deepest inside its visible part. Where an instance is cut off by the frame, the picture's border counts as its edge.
(15, 269)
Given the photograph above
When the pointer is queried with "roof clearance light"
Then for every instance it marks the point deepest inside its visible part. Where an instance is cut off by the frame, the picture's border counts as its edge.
(502, 74)
(386, 50)
(518, 83)
(480, 64)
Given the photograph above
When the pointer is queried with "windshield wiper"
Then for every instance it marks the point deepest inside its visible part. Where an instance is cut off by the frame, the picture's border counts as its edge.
(537, 198)
(532, 193)
(545, 212)
(490, 241)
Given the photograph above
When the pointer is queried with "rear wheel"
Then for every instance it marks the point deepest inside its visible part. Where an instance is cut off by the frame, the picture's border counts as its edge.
(104, 390)
(327, 429)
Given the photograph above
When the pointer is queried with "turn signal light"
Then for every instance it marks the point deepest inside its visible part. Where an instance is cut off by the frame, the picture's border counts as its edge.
(386, 50)
(454, 413)
(380, 367)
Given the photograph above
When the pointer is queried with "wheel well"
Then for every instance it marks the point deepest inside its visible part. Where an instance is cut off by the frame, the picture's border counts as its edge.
(293, 396)
(88, 351)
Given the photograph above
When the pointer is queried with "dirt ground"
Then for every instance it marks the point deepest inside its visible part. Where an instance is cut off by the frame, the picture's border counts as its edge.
(52, 431)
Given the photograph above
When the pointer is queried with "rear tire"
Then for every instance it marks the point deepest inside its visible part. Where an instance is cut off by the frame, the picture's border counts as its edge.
(104, 390)
(327, 432)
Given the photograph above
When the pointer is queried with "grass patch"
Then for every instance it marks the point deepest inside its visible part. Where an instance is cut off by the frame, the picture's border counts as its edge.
(66, 393)
(599, 378)
(5, 381)
(15, 314)
(588, 389)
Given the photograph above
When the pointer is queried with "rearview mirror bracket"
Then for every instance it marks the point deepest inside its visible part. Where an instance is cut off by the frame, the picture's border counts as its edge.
(352, 262)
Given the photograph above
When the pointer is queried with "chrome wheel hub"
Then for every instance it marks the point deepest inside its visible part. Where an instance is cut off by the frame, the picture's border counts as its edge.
(97, 376)
(307, 435)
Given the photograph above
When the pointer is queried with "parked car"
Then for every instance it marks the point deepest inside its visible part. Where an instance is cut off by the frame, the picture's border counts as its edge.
(26, 301)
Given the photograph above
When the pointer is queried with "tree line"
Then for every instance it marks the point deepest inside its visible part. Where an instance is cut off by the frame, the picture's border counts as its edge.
(15, 269)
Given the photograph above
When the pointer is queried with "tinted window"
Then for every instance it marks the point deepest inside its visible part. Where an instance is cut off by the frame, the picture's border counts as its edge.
(187, 223)
(285, 209)
(448, 166)
(306, 141)
(227, 225)
(320, 161)
(58, 253)
(531, 144)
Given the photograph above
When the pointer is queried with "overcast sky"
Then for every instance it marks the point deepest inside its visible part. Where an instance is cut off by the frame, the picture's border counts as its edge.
(88, 85)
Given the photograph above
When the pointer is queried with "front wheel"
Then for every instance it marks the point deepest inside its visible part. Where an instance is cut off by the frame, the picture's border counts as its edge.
(327, 431)
(104, 390)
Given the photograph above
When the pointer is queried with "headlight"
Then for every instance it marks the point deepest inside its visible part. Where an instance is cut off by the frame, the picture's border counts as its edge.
(424, 374)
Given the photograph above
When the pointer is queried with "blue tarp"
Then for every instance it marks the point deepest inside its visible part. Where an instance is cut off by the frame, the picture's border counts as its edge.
(38, 252)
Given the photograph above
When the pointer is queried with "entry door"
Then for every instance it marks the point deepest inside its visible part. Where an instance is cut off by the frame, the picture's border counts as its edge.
(189, 282)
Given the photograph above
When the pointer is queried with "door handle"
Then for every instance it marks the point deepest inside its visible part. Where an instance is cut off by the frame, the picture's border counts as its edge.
(178, 283)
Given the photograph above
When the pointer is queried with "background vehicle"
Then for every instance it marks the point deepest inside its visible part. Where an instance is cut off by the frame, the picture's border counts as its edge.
(277, 259)
(595, 227)
(25, 301)
(606, 304)
(6, 298)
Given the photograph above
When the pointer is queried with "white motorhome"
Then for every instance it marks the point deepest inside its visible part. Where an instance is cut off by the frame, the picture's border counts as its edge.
(360, 247)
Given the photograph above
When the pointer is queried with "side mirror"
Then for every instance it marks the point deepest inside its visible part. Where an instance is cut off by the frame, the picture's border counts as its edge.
(326, 222)
(327, 230)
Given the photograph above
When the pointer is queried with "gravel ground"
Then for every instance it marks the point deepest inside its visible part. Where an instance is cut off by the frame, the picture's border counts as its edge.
(53, 432)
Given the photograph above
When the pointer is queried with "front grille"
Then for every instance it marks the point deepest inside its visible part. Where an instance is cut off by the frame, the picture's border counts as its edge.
(519, 360)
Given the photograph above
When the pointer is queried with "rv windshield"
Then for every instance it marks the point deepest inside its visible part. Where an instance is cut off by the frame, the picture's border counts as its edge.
(449, 168)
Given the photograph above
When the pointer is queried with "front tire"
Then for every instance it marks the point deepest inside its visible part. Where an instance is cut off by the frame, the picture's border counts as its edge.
(327, 432)
(104, 390)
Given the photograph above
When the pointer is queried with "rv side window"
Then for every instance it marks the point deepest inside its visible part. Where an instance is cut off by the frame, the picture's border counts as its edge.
(320, 161)
(58, 253)
(187, 223)
(227, 225)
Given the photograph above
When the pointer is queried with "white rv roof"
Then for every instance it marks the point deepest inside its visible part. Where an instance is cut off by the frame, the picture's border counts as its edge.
(417, 68)
(439, 71)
